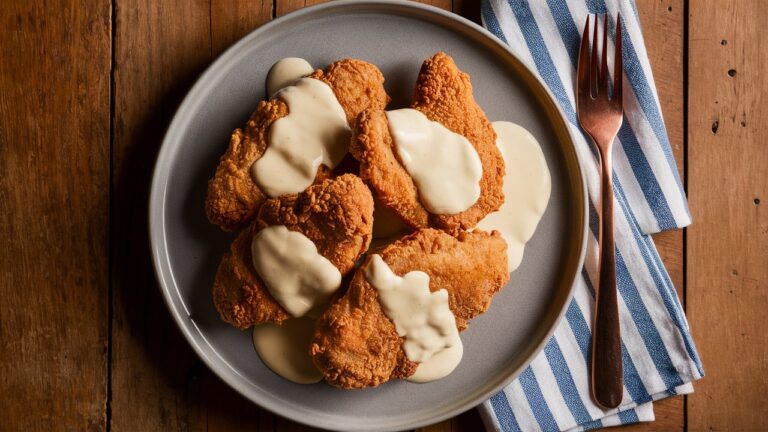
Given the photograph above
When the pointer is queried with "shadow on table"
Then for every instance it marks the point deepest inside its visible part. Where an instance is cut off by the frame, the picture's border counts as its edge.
(154, 372)
(469, 9)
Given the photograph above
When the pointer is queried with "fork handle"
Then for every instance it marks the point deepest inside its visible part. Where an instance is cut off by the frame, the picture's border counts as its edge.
(607, 371)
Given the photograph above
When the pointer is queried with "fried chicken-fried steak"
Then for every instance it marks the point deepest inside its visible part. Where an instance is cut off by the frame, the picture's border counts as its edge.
(233, 197)
(444, 94)
(336, 214)
(356, 345)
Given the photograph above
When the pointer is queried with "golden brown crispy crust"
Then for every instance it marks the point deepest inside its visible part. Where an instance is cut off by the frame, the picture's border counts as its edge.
(233, 197)
(337, 215)
(358, 85)
(239, 293)
(356, 345)
(380, 167)
(444, 94)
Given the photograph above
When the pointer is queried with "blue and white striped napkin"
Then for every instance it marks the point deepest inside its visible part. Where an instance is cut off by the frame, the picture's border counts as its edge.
(659, 356)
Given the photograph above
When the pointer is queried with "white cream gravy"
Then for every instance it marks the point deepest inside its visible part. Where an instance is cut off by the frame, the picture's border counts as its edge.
(439, 365)
(285, 72)
(527, 185)
(314, 132)
(285, 349)
(444, 166)
(421, 317)
(296, 275)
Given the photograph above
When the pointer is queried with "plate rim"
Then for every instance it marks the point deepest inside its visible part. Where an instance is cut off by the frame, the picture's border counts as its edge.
(159, 244)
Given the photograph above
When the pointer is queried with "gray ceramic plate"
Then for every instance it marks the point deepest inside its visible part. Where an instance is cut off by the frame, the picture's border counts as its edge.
(396, 36)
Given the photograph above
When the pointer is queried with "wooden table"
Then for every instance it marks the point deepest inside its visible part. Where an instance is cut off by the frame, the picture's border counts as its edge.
(86, 91)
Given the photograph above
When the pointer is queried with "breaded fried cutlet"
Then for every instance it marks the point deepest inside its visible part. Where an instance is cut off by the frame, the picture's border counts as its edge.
(444, 94)
(356, 345)
(336, 214)
(233, 197)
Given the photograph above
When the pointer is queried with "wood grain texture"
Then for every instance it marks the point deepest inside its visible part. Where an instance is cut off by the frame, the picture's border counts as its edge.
(233, 19)
(663, 23)
(54, 206)
(158, 383)
(442, 4)
(287, 6)
(155, 375)
(727, 268)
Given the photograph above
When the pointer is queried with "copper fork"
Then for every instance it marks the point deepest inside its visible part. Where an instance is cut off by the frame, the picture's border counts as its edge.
(601, 116)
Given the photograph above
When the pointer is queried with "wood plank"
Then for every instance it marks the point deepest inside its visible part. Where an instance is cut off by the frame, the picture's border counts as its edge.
(233, 19)
(54, 196)
(227, 410)
(155, 383)
(663, 24)
(287, 6)
(663, 31)
(442, 4)
(158, 383)
(727, 258)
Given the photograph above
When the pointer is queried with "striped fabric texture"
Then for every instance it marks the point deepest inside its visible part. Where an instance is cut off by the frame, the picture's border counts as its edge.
(659, 356)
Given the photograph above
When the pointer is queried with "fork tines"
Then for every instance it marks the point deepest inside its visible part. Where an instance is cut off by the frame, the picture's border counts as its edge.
(588, 75)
